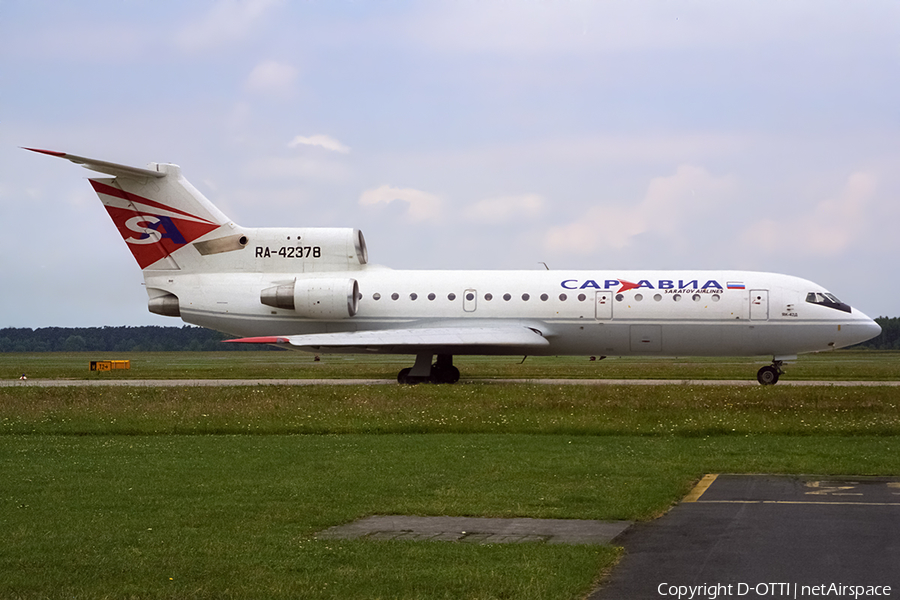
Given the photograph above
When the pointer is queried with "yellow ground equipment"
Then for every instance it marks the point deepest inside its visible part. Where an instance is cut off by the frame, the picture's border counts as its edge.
(110, 365)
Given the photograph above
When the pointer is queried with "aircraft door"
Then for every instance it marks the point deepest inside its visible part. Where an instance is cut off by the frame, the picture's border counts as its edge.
(759, 305)
(470, 300)
(603, 306)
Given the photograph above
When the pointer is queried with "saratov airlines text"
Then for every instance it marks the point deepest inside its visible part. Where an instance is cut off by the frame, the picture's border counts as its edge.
(662, 284)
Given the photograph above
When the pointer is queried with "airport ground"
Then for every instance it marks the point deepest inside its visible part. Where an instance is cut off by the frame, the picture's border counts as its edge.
(841, 365)
(197, 492)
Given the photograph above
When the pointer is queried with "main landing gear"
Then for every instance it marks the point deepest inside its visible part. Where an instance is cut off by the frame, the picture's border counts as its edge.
(423, 371)
(769, 374)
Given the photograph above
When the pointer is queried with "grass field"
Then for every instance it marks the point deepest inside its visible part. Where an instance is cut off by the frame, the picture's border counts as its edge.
(837, 365)
(218, 492)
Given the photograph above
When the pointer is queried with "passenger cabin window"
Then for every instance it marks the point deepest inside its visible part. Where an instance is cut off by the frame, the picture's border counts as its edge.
(826, 299)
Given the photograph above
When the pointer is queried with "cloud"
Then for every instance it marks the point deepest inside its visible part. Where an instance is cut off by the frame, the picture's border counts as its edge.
(422, 205)
(504, 208)
(271, 77)
(829, 229)
(324, 141)
(228, 21)
(667, 205)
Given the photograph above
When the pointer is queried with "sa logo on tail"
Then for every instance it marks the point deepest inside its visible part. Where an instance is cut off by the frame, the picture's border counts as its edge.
(151, 229)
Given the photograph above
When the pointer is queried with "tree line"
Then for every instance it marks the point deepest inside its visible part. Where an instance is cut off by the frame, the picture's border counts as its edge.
(197, 339)
(889, 338)
(117, 339)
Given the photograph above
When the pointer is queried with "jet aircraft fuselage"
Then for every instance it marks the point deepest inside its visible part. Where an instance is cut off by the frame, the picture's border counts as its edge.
(314, 289)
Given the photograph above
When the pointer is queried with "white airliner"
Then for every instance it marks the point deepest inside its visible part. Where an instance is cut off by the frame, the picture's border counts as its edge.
(313, 289)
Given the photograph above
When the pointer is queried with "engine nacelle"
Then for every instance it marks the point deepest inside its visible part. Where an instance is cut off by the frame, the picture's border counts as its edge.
(164, 303)
(315, 298)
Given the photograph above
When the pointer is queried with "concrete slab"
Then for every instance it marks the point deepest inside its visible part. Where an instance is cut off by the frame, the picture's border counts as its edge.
(765, 536)
(479, 530)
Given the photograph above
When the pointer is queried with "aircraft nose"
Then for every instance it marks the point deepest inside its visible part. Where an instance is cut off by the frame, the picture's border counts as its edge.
(873, 329)
(867, 327)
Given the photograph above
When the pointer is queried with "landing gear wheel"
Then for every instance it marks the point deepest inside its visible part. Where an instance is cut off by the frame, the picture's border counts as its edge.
(768, 375)
(441, 371)
(405, 378)
(444, 374)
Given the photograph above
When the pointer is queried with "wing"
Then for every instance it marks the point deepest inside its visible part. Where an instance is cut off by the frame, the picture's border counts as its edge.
(503, 338)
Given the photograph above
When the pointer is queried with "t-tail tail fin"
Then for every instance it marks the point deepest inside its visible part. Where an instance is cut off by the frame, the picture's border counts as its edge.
(156, 210)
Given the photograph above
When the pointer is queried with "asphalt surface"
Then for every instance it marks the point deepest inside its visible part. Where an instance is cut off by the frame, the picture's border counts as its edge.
(734, 536)
(767, 536)
(478, 530)
(298, 382)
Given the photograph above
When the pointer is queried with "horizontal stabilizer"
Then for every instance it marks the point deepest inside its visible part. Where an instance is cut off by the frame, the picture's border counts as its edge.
(521, 337)
(101, 166)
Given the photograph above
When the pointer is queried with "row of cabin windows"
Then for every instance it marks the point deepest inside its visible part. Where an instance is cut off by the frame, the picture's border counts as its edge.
(675, 297)
(544, 297)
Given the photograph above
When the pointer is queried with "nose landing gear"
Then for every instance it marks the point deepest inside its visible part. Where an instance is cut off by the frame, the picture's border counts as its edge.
(423, 371)
(769, 374)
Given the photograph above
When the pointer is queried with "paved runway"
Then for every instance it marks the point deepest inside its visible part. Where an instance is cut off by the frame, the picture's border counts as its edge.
(767, 536)
(237, 382)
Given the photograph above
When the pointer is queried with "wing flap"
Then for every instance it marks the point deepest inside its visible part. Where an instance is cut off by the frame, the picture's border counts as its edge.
(519, 337)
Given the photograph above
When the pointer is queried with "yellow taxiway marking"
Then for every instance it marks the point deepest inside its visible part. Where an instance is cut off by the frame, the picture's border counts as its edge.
(701, 487)
(823, 488)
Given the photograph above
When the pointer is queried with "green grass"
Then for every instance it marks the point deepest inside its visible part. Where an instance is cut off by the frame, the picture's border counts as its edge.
(838, 365)
(218, 492)
(465, 409)
(234, 516)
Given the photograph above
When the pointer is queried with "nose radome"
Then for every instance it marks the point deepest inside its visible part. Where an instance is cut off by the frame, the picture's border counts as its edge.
(865, 327)
(873, 329)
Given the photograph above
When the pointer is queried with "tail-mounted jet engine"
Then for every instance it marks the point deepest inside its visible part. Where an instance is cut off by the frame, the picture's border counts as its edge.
(315, 298)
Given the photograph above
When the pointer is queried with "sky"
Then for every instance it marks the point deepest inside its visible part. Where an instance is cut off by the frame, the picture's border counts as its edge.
(459, 134)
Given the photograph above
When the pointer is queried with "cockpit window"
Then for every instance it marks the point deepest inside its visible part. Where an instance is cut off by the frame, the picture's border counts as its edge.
(826, 299)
